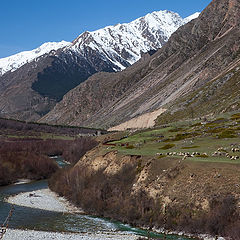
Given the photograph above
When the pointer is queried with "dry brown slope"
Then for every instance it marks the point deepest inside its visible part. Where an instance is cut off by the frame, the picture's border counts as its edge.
(18, 99)
(196, 197)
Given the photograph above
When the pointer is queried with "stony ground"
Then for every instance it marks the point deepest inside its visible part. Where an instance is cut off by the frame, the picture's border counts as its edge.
(43, 199)
(13, 234)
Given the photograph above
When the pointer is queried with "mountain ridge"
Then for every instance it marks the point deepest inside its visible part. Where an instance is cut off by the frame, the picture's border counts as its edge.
(29, 91)
(33, 89)
(195, 54)
(166, 25)
(146, 33)
(15, 61)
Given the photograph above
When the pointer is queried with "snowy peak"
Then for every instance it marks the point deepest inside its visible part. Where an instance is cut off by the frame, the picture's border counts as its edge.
(14, 62)
(191, 17)
(118, 46)
(123, 44)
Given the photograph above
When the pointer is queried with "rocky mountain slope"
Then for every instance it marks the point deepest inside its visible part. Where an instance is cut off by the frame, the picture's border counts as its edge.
(203, 54)
(32, 82)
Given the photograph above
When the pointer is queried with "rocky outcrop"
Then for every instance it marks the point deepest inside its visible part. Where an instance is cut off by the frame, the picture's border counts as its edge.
(195, 55)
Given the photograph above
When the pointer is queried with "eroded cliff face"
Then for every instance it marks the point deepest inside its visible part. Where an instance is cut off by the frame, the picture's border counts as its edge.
(162, 192)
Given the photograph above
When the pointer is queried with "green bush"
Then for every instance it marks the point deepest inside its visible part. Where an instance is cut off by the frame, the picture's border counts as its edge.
(215, 130)
(167, 146)
(175, 130)
(196, 124)
(130, 147)
(235, 116)
(183, 136)
(227, 134)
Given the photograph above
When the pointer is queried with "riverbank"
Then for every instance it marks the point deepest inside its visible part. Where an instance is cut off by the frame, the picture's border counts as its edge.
(43, 199)
(193, 195)
(13, 234)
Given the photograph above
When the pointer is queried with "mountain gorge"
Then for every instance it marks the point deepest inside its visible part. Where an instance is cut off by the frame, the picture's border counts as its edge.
(31, 83)
(197, 65)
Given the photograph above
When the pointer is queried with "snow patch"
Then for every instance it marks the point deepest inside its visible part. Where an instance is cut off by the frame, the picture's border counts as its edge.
(191, 17)
(14, 62)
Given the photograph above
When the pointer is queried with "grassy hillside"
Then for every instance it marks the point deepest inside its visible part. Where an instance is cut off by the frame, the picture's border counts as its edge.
(211, 141)
(180, 176)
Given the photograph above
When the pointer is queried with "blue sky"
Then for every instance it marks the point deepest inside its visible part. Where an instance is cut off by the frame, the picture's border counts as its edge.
(26, 24)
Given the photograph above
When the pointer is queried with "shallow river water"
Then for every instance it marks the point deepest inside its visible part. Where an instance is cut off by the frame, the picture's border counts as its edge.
(42, 220)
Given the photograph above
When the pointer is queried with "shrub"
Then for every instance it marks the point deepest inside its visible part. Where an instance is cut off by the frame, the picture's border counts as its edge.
(227, 134)
(130, 147)
(168, 146)
(182, 136)
(28, 158)
(235, 116)
(175, 130)
(190, 147)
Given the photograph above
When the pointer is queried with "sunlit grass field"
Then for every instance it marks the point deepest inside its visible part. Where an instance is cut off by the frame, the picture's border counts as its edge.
(206, 137)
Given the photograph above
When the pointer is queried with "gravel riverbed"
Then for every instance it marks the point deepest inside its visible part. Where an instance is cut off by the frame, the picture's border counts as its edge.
(13, 234)
(45, 199)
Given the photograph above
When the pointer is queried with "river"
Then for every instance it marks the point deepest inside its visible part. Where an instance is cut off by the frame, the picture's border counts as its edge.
(42, 220)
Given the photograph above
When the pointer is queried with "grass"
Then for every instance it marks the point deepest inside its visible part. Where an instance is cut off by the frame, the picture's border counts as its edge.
(184, 137)
(213, 160)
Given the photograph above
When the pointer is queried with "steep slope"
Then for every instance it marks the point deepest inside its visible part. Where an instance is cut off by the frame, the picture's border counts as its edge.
(195, 55)
(33, 82)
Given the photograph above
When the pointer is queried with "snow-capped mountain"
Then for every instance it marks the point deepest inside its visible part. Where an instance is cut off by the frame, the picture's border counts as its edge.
(123, 44)
(32, 82)
(191, 17)
(120, 45)
(17, 60)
